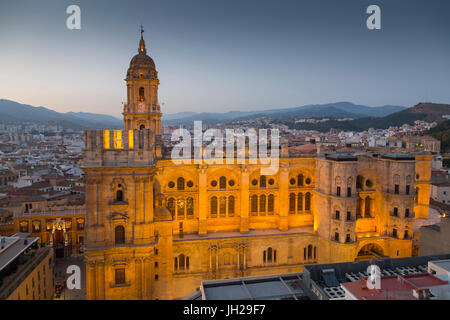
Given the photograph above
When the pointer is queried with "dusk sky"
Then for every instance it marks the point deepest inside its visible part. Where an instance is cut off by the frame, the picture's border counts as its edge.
(217, 56)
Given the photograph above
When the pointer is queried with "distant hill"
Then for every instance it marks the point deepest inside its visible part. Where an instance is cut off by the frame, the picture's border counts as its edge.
(442, 133)
(14, 112)
(423, 111)
(330, 110)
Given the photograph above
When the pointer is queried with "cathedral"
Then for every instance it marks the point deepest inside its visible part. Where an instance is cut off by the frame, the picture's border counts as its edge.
(156, 229)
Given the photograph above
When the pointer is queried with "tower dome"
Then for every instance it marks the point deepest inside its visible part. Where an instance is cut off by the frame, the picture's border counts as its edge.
(141, 65)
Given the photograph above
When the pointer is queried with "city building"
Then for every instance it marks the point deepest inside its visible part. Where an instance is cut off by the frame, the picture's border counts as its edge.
(401, 279)
(155, 228)
(26, 268)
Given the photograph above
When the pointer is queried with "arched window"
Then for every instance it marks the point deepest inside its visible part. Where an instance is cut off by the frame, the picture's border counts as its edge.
(367, 208)
(223, 206)
(262, 181)
(141, 94)
(300, 202)
(262, 203)
(231, 206)
(310, 252)
(190, 207)
(119, 195)
(171, 205)
(119, 234)
(315, 252)
(292, 203)
(180, 183)
(142, 127)
(269, 255)
(270, 204)
(300, 180)
(181, 262)
(180, 208)
(214, 207)
(222, 182)
(254, 203)
(308, 201)
(359, 182)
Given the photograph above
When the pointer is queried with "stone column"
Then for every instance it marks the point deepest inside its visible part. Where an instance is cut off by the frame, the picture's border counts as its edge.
(90, 280)
(244, 197)
(202, 199)
(100, 271)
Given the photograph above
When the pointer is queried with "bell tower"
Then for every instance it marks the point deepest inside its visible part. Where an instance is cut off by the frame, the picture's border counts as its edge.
(142, 110)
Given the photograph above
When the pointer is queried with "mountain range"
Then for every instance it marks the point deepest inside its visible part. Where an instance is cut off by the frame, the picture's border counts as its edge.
(424, 111)
(14, 112)
(364, 117)
(330, 110)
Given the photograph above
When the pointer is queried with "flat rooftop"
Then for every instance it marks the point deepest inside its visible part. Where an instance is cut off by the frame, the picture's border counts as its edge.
(273, 287)
(13, 247)
(393, 287)
(444, 264)
(329, 277)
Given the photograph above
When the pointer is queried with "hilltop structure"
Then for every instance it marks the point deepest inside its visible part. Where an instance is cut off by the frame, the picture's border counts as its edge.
(155, 229)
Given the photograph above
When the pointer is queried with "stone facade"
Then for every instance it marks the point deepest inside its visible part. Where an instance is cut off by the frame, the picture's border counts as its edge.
(155, 229)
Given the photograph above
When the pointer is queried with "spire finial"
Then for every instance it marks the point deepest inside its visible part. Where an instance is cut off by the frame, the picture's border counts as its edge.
(142, 42)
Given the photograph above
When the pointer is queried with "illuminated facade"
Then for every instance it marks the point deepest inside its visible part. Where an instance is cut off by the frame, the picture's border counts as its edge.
(156, 229)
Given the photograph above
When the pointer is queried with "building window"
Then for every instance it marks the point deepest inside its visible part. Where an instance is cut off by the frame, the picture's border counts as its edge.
(397, 189)
(222, 182)
(171, 205)
(119, 195)
(394, 233)
(190, 207)
(367, 208)
(141, 94)
(407, 190)
(310, 252)
(349, 216)
(395, 212)
(300, 202)
(406, 234)
(181, 263)
(347, 238)
(349, 192)
(262, 181)
(292, 203)
(231, 206)
(269, 255)
(337, 216)
(120, 276)
(336, 236)
(270, 204)
(223, 206)
(262, 203)
(300, 180)
(406, 213)
(254, 204)
(180, 183)
(214, 207)
(308, 201)
(338, 191)
(180, 208)
(120, 235)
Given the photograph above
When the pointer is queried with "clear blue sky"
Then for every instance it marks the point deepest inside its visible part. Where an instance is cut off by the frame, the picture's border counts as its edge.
(220, 55)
